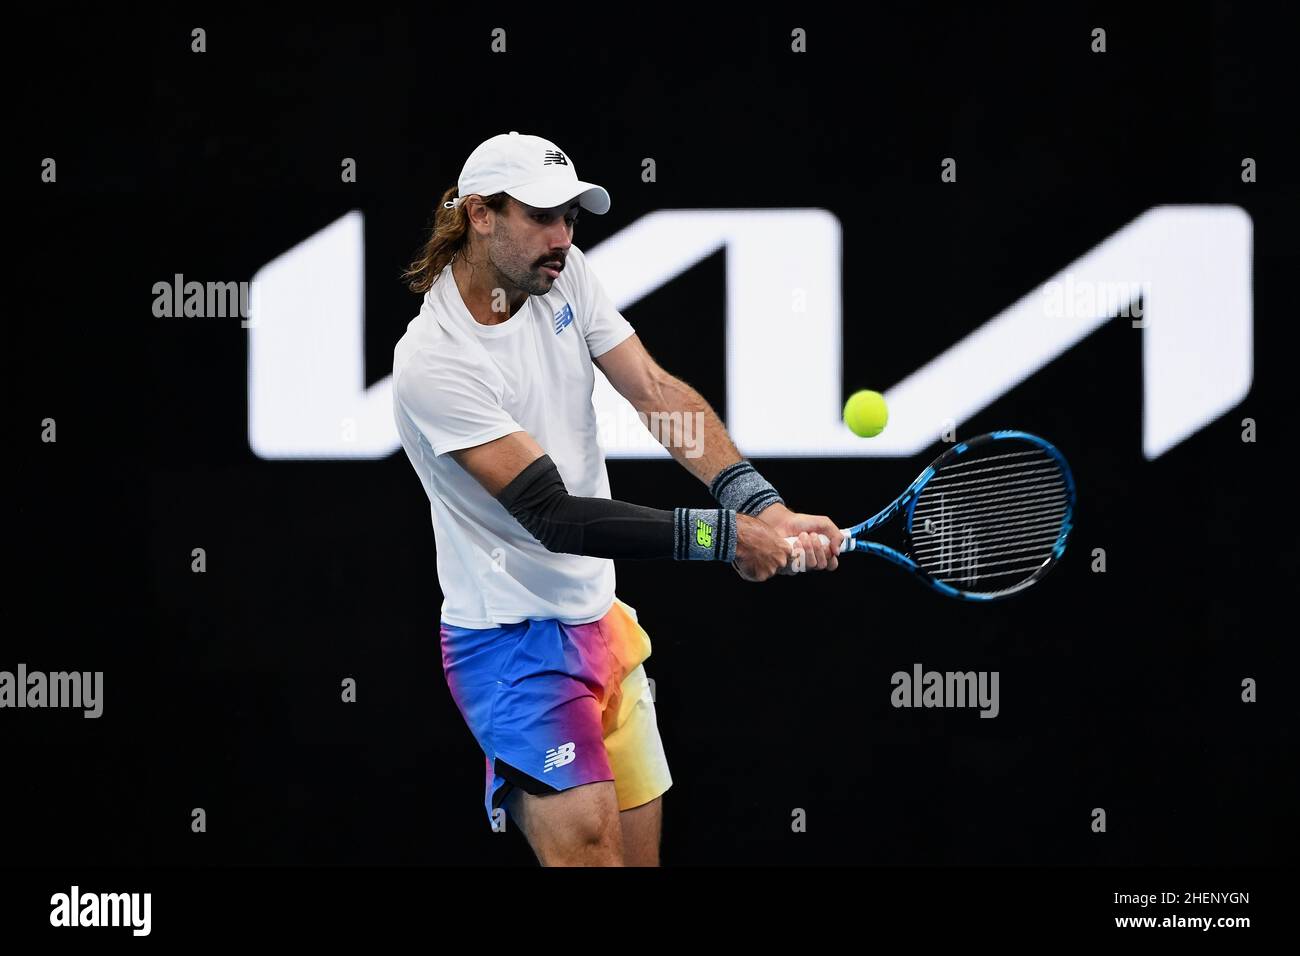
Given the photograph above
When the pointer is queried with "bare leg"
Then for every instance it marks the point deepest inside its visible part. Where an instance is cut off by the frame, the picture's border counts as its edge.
(578, 827)
(641, 830)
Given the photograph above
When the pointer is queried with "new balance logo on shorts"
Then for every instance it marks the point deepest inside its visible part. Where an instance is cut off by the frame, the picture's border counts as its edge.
(553, 157)
(563, 318)
(559, 756)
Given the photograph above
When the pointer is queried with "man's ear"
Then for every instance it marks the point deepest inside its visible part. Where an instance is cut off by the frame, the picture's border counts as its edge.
(478, 214)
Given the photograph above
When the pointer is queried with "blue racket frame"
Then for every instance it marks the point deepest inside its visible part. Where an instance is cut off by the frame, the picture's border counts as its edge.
(907, 502)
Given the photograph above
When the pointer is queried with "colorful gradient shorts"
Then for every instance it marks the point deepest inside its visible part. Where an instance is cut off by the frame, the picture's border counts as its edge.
(555, 706)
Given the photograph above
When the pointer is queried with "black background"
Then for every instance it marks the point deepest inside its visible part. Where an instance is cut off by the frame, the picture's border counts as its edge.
(1118, 690)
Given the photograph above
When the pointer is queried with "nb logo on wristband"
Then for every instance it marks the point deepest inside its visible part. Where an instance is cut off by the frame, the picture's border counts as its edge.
(703, 534)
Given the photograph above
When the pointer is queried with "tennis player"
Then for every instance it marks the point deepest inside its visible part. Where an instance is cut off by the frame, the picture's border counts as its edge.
(492, 391)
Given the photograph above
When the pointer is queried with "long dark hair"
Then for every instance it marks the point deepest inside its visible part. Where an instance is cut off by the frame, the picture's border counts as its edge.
(449, 235)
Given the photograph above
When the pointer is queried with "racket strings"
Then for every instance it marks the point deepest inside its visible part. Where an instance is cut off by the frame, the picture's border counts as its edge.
(1009, 508)
(970, 479)
(986, 456)
(1046, 531)
(986, 522)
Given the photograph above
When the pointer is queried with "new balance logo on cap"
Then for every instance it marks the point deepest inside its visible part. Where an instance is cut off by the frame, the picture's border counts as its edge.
(559, 756)
(553, 157)
(563, 318)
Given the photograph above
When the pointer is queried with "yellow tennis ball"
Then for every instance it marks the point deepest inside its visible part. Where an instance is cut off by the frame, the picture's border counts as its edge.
(865, 413)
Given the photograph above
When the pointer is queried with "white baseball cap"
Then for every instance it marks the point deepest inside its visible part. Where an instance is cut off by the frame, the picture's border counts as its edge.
(533, 170)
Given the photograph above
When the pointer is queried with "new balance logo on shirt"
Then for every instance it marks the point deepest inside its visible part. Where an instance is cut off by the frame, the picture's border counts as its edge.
(563, 318)
(559, 756)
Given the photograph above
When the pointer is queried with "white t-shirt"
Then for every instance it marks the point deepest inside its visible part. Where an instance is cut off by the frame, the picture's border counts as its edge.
(458, 383)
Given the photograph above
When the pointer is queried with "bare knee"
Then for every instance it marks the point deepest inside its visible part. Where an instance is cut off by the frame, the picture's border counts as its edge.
(587, 845)
(579, 827)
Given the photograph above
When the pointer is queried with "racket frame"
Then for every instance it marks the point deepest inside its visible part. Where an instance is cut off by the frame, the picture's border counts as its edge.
(906, 502)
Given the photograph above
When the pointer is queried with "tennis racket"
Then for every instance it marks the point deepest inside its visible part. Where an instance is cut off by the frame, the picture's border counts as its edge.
(990, 517)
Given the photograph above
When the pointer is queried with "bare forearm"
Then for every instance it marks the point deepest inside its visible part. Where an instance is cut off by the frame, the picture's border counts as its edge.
(684, 423)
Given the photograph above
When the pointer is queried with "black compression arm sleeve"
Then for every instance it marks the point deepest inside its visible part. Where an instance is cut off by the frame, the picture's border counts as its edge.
(601, 528)
(597, 527)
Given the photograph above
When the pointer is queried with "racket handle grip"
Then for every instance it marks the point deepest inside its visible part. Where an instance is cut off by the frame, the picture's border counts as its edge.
(845, 545)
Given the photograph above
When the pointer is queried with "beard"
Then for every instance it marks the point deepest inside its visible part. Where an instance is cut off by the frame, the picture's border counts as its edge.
(523, 275)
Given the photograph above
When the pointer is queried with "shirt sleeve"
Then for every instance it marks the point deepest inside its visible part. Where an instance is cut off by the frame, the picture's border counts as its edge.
(603, 326)
(451, 401)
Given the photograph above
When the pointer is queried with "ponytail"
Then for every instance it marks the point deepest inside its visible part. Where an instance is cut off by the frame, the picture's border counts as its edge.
(449, 236)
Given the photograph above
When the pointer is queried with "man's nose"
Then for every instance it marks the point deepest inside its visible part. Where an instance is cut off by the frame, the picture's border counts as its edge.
(559, 236)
